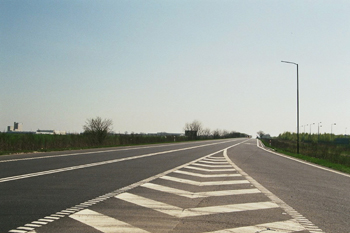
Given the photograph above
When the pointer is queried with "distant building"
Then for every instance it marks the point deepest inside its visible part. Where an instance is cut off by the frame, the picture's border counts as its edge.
(18, 128)
(56, 132)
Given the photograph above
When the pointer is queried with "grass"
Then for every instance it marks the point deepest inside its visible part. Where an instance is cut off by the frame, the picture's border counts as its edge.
(322, 162)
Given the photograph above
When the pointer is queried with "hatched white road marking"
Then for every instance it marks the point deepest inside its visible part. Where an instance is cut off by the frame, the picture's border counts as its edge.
(104, 223)
(206, 183)
(210, 170)
(207, 165)
(192, 212)
(189, 194)
(206, 175)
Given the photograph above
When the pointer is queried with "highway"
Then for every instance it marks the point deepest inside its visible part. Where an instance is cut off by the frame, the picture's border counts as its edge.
(205, 186)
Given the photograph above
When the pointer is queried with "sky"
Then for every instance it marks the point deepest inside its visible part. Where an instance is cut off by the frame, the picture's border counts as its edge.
(154, 65)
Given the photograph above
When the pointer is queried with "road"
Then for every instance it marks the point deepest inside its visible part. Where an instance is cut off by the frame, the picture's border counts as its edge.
(207, 186)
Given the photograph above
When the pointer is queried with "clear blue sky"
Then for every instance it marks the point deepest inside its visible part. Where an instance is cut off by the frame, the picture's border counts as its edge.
(152, 66)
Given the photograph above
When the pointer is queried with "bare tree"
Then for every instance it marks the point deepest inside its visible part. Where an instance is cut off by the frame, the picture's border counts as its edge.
(260, 133)
(194, 126)
(206, 132)
(97, 129)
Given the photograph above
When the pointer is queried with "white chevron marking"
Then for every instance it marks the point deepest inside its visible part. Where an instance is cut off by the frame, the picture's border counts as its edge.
(104, 223)
(216, 159)
(275, 227)
(207, 183)
(188, 194)
(212, 162)
(210, 170)
(206, 175)
(192, 212)
(207, 165)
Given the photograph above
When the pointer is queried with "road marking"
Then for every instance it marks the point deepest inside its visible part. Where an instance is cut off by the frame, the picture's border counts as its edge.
(192, 212)
(207, 175)
(189, 194)
(210, 170)
(104, 223)
(288, 209)
(259, 144)
(275, 227)
(35, 174)
(207, 165)
(212, 162)
(124, 189)
(206, 183)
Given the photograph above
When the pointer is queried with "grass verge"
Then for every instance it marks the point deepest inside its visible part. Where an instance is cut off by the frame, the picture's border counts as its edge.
(322, 162)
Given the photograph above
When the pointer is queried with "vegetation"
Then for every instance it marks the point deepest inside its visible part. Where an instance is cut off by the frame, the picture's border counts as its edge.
(326, 149)
(97, 129)
(97, 133)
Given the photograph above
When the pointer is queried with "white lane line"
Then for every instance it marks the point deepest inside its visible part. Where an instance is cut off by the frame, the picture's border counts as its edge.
(189, 194)
(207, 175)
(211, 162)
(206, 183)
(11, 178)
(210, 170)
(288, 209)
(104, 223)
(214, 166)
(192, 212)
(288, 226)
(215, 159)
(301, 161)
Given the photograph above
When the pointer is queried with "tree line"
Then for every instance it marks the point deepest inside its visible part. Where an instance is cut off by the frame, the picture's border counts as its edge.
(98, 132)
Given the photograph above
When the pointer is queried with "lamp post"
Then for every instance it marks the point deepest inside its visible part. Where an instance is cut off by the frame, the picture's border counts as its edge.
(332, 127)
(318, 132)
(310, 127)
(297, 101)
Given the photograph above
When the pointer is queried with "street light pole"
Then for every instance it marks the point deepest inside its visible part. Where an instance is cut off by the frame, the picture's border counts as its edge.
(332, 127)
(318, 133)
(297, 101)
(310, 127)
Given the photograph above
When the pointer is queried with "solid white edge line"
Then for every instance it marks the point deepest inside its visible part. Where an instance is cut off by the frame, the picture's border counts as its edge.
(288, 209)
(301, 161)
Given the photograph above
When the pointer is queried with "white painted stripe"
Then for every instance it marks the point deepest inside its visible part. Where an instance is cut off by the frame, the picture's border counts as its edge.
(45, 220)
(192, 212)
(216, 159)
(18, 231)
(210, 170)
(207, 175)
(40, 222)
(275, 227)
(104, 223)
(212, 162)
(289, 210)
(207, 165)
(32, 225)
(188, 194)
(29, 175)
(25, 228)
(207, 183)
(151, 204)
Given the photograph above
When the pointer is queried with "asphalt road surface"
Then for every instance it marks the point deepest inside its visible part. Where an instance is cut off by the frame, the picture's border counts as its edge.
(209, 186)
